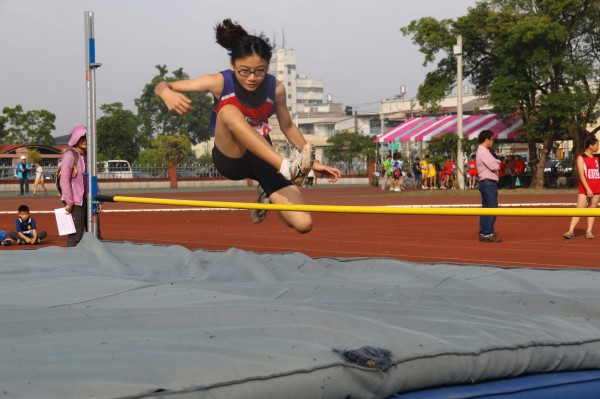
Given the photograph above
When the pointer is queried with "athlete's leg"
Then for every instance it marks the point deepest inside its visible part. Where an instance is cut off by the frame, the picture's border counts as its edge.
(233, 136)
(581, 203)
(300, 221)
(593, 205)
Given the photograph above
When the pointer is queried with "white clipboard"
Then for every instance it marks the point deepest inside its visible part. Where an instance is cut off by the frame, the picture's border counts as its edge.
(64, 222)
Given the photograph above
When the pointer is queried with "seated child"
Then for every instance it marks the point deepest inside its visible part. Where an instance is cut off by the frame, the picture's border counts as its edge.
(26, 229)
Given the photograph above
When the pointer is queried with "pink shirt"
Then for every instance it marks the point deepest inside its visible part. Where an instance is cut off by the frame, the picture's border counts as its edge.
(487, 165)
(72, 185)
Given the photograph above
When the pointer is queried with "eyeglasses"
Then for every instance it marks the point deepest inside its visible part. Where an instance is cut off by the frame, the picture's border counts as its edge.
(259, 73)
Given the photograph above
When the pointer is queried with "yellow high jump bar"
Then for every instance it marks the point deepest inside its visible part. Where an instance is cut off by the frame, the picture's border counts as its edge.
(446, 211)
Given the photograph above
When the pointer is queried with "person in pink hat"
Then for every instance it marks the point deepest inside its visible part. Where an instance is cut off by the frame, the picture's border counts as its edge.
(73, 182)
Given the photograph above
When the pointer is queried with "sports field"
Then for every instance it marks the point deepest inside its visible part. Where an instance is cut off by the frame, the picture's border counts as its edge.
(528, 241)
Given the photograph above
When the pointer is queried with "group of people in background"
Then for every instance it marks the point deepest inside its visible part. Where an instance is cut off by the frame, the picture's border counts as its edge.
(392, 173)
(22, 173)
(427, 175)
(511, 172)
(73, 190)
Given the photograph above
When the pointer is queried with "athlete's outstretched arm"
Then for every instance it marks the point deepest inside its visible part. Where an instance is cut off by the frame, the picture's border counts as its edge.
(172, 92)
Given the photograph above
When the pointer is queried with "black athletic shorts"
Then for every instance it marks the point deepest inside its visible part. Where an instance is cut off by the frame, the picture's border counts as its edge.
(249, 166)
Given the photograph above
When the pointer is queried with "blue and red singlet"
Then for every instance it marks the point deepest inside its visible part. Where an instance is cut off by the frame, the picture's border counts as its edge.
(257, 116)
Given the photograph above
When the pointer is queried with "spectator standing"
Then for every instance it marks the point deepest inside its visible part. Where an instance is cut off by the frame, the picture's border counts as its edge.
(432, 176)
(487, 174)
(501, 174)
(397, 175)
(472, 166)
(387, 173)
(443, 176)
(39, 178)
(518, 172)
(450, 166)
(23, 169)
(73, 183)
(589, 185)
(416, 169)
(425, 171)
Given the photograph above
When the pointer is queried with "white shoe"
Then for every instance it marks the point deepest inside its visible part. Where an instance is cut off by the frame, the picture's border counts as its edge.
(300, 163)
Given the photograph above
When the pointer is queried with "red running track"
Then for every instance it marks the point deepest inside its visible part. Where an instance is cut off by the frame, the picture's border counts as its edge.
(527, 241)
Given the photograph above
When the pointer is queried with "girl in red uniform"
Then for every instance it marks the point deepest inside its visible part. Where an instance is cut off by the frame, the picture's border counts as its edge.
(245, 96)
(472, 171)
(589, 185)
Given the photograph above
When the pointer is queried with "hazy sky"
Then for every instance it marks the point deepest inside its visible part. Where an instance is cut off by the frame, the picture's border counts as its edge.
(354, 46)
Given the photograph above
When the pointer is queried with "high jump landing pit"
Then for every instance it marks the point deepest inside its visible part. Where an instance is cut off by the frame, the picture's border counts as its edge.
(129, 320)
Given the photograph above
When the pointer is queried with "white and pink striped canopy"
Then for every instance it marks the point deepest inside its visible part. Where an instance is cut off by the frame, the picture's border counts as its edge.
(426, 128)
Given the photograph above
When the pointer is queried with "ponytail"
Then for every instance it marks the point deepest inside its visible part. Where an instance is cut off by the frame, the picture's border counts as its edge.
(239, 43)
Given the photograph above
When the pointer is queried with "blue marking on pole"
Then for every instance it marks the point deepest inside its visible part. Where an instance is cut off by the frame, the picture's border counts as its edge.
(92, 51)
(94, 193)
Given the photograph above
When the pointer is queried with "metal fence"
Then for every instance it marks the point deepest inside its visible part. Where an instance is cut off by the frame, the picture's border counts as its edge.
(161, 171)
(353, 169)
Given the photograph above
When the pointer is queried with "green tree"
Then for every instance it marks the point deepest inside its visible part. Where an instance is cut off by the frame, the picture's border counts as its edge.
(33, 155)
(534, 58)
(118, 136)
(167, 149)
(155, 119)
(446, 144)
(31, 127)
(348, 147)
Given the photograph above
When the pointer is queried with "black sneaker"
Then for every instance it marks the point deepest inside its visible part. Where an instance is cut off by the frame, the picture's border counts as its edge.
(258, 215)
(481, 238)
(6, 243)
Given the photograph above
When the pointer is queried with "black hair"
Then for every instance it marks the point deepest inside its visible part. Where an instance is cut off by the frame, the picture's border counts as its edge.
(484, 135)
(589, 140)
(239, 43)
(23, 208)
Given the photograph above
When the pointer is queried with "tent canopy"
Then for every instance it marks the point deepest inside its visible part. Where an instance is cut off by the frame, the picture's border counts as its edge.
(426, 128)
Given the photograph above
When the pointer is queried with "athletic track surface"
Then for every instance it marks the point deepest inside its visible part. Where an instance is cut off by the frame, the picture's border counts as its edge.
(527, 241)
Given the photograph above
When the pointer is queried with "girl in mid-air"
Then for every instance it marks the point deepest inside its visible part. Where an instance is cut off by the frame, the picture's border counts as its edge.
(245, 96)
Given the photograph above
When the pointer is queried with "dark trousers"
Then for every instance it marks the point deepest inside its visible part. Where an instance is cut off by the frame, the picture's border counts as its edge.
(24, 186)
(79, 214)
(15, 236)
(489, 199)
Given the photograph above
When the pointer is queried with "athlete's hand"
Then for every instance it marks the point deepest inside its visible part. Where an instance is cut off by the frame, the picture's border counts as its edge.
(333, 174)
(176, 102)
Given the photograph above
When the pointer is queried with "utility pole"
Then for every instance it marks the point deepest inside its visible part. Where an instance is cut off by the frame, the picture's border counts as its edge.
(460, 165)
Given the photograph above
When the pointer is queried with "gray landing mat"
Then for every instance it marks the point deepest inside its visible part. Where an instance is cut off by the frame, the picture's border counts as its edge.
(122, 320)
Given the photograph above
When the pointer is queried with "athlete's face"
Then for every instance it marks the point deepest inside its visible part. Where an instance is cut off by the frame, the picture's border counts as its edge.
(250, 71)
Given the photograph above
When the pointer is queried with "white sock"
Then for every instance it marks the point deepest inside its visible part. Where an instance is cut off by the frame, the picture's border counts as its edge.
(285, 169)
